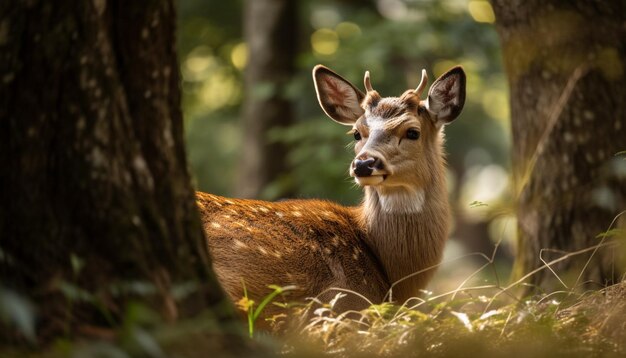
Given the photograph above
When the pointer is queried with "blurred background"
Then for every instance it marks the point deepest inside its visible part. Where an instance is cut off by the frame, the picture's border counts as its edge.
(253, 124)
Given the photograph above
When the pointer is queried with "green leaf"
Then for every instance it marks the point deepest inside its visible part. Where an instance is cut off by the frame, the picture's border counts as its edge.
(611, 233)
(147, 343)
(476, 204)
(77, 264)
(17, 310)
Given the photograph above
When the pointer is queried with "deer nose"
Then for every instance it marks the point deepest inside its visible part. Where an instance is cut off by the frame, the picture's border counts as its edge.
(365, 167)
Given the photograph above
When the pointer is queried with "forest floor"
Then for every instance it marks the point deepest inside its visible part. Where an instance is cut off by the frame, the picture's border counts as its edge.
(463, 324)
(474, 321)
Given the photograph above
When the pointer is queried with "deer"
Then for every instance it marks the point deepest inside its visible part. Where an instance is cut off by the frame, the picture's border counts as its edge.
(391, 242)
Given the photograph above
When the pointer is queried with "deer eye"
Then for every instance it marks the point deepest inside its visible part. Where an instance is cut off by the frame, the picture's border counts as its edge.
(357, 135)
(413, 134)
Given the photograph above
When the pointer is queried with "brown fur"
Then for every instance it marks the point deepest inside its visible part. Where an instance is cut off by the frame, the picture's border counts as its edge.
(312, 244)
(399, 229)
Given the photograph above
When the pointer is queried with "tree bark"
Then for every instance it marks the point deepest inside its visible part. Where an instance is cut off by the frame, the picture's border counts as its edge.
(566, 70)
(270, 32)
(94, 187)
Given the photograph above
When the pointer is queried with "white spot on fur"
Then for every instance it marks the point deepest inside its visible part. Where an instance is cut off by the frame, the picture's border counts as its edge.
(279, 214)
(402, 202)
(216, 225)
(296, 213)
(239, 244)
(375, 123)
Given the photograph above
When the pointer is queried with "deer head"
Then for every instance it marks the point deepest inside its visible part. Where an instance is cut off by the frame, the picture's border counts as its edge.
(398, 139)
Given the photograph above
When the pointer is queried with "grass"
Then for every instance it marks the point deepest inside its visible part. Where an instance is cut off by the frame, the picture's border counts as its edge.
(559, 323)
(572, 325)
(475, 319)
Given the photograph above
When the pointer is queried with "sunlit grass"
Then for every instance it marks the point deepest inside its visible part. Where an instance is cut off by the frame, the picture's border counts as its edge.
(490, 320)
(476, 318)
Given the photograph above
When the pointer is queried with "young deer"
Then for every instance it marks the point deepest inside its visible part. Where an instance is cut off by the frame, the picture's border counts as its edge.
(399, 229)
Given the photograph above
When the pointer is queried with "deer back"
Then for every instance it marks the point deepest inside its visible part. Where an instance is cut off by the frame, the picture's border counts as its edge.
(313, 244)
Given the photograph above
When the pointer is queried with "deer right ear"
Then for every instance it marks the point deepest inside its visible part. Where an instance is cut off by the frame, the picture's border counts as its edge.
(446, 96)
(339, 99)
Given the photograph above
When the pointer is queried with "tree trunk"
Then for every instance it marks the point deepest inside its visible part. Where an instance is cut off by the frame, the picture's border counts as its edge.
(95, 189)
(566, 70)
(270, 31)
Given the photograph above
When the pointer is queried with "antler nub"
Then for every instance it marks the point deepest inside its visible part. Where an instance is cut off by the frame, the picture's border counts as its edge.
(420, 88)
(366, 81)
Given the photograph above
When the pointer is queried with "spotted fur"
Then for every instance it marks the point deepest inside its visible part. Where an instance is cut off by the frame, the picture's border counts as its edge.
(398, 231)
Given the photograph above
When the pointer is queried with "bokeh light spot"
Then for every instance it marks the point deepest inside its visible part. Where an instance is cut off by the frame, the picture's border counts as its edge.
(347, 30)
(239, 55)
(325, 41)
(481, 11)
(496, 104)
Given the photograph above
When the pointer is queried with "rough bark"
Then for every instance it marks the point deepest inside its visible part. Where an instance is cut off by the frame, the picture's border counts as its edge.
(566, 70)
(270, 32)
(93, 164)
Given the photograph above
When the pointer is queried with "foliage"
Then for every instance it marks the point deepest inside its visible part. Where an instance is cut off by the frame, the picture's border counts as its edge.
(350, 37)
(478, 319)
(253, 313)
(482, 315)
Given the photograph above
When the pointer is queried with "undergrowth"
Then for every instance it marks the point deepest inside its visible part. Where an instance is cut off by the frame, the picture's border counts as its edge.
(476, 319)
(492, 319)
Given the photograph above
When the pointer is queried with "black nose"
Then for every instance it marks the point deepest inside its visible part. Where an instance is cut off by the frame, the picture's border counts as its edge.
(364, 168)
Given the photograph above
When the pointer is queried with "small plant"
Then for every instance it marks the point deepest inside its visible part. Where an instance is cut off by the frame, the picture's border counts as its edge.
(247, 305)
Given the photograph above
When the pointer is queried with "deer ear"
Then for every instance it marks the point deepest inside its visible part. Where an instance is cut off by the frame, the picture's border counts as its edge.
(446, 96)
(339, 99)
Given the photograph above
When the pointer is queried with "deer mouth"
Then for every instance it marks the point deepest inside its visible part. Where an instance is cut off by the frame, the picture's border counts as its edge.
(370, 180)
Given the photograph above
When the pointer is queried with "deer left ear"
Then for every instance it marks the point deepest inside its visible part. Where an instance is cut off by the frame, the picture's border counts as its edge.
(446, 96)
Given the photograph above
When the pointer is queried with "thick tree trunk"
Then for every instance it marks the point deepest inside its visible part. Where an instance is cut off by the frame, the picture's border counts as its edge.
(270, 31)
(93, 164)
(565, 63)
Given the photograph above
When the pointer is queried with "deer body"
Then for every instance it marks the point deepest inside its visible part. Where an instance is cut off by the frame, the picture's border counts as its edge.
(398, 231)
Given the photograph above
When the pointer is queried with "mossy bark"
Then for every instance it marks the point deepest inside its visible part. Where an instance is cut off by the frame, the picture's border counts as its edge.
(567, 74)
(95, 188)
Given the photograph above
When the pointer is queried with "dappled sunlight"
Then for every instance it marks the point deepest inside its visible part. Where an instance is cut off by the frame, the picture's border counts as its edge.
(481, 11)
(337, 178)
(394, 45)
(347, 29)
(239, 55)
(486, 184)
(209, 84)
(325, 42)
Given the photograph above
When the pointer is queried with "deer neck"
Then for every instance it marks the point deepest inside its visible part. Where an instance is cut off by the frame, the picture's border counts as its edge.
(406, 230)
